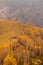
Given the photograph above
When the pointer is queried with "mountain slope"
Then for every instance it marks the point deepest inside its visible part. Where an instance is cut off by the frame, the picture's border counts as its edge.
(9, 28)
(20, 42)
(12, 28)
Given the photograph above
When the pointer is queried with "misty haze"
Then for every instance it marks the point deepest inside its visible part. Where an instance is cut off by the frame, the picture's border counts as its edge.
(22, 11)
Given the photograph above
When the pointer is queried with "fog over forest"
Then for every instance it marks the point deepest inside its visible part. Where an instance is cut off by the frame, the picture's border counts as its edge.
(22, 10)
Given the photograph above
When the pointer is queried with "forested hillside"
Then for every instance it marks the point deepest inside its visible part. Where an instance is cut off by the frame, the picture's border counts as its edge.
(20, 44)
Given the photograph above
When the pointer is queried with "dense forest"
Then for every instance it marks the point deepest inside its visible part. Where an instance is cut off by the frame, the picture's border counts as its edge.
(20, 44)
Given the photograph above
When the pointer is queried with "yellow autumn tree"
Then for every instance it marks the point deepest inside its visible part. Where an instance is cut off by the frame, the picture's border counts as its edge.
(25, 41)
(9, 60)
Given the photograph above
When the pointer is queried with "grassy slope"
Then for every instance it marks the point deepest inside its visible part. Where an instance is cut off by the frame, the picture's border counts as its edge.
(10, 29)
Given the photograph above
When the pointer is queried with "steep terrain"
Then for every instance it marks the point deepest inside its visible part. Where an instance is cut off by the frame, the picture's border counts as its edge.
(20, 44)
